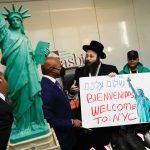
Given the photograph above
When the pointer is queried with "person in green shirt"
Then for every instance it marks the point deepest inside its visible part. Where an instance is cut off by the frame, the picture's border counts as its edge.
(127, 137)
(133, 64)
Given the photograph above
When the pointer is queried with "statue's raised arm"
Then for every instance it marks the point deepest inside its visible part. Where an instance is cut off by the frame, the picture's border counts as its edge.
(2, 27)
(2, 20)
(130, 85)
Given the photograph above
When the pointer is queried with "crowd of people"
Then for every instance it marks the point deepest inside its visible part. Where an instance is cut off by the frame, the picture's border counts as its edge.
(67, 120)
(26, 105)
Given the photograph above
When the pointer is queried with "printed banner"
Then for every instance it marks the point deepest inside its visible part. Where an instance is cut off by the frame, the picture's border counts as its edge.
(113, 101)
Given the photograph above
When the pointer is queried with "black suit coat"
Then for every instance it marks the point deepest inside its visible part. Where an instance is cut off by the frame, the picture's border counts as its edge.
(6, 116)
(6, 120)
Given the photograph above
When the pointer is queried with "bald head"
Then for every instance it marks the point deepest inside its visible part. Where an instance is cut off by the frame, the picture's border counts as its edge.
(51, 66)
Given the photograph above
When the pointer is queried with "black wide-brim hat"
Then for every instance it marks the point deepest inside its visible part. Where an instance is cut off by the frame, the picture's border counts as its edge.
(96, 47)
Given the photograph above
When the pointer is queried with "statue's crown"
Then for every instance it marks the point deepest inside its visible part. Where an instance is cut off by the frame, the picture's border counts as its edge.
(15, 13)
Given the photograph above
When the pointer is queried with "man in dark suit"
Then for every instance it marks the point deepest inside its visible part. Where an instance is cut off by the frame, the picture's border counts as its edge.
(93, 67)
(6, 116)
(56, 106)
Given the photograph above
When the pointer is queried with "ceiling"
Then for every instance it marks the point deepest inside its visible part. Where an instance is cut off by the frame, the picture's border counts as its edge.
(9, 1)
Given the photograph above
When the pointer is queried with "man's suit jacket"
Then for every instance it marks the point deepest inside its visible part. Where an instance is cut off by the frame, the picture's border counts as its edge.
(57, 112)
(6, 120)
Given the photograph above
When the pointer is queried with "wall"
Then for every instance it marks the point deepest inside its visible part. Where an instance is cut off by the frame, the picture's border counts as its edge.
(121, 25)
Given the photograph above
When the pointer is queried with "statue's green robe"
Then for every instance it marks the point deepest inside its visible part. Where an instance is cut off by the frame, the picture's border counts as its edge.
(22, 76)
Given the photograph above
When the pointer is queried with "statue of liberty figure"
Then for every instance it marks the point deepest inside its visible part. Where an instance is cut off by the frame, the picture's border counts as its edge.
(143, 103)
(22, 76)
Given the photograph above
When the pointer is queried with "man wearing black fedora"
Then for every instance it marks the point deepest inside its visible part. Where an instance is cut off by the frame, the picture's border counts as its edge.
(98, 137)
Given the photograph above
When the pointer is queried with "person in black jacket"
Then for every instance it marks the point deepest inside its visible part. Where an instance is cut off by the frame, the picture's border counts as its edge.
(6, 115)
(98, 137)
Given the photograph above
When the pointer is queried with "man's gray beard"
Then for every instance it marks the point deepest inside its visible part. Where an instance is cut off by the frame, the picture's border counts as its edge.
(91, 68)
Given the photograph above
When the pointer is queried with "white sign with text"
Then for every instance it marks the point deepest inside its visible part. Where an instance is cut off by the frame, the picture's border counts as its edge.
(113, 101)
